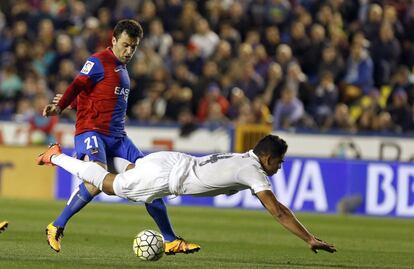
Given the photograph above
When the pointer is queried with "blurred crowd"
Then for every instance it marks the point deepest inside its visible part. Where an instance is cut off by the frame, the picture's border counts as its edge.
(294, 64)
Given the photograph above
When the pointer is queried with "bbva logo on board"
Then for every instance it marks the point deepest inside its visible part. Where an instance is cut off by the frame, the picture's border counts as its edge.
(390, 189)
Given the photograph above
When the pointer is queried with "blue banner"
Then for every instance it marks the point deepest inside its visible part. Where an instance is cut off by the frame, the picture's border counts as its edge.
(312, 185)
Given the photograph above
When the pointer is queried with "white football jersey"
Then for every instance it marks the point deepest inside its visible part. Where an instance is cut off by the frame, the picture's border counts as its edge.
(225, 173)
(163, 173)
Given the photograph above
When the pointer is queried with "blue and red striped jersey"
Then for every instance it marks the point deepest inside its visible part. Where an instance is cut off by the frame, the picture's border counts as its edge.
(101, 88)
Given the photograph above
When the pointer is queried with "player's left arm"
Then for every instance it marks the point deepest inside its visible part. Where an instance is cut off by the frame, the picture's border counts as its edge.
(287, 219)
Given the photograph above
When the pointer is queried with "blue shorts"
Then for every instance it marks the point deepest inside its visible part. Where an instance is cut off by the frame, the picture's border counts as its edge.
(103, 148)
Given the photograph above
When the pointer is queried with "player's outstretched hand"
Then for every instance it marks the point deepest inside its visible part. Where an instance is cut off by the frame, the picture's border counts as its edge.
(317, 244)
(51, 110)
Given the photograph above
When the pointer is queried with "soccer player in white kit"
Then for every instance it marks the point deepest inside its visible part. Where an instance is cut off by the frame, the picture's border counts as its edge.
(173, 173)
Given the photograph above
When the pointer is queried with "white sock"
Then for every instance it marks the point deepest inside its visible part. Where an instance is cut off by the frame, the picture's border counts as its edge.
(87, 171)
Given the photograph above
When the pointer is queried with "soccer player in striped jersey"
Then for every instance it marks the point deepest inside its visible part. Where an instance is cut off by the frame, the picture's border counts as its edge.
(100, 94)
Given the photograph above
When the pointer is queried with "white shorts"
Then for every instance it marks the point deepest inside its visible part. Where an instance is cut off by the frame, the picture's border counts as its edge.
(149, 179)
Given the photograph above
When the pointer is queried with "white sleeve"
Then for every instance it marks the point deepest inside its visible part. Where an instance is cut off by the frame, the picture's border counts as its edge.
(120, 165)
(254, 177)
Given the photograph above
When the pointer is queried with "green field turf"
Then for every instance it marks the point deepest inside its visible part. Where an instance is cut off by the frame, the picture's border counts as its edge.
(101, 237)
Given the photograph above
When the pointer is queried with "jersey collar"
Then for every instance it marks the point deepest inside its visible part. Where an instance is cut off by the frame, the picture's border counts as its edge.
(109, 49)
(254, 156)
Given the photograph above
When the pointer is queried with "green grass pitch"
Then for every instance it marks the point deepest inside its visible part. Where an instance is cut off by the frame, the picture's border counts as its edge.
(101, 237)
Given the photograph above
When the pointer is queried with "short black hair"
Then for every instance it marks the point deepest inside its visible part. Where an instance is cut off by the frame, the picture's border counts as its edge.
(131, 27)
(272, 145)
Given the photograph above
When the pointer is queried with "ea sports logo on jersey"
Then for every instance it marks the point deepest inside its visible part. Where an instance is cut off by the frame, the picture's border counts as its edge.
(122, 91)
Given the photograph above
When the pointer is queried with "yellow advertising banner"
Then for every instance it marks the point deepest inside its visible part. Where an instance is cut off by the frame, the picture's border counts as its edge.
(20, 177)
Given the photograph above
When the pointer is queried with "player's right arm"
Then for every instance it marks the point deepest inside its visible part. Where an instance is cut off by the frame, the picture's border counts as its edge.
(287, 219)
(91, 73)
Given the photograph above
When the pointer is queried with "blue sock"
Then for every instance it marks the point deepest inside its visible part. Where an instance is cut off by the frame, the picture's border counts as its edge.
(79, 198)
(158, 212)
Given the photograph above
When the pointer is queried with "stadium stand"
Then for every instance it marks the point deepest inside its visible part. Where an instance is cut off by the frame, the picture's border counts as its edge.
(313, 65)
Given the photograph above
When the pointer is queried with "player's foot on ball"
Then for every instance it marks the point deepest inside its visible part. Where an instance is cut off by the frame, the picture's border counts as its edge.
(46, 157)
(54, 236)
(179, 245)
(3, 226)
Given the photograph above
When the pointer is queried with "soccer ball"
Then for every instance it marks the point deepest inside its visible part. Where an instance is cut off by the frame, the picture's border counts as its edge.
(148, 245)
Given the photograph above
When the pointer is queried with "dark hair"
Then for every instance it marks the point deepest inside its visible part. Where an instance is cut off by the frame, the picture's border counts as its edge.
(271, 144)
(131, 27)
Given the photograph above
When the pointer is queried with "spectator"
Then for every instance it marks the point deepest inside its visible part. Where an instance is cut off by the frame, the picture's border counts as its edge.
(246, 114)
(402, 81)
(215, 116)
(274, 85)
(22, 58)
(250, 81)
(252, 38)
(10, 84)
(194, 59)
(391, 18)
(238, 19)
(297, 81)
(373, 22)
(186, 22)
(210, 75)
(195, 43)
(314, 51)
(322, 103)
(340, 120)
(157, 39)
(260, 111)
(288, 111)
(229, 34)
(204, 39)
(177, 98)
(284, 56)
(41, 128)
(222, 57)
(184, 77)
(385, 51)
(209, 104)
(332, 62)
(359, 74)
(407, 42)
(277, 12)
(271, 40)
(400, 110)
(142, 111)
(187, 122)
(257, 13)
(24, 110)
(146, 13)
(384, 124)
(299, 42)
(176, 56)
(365, 122)
(237, 99)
